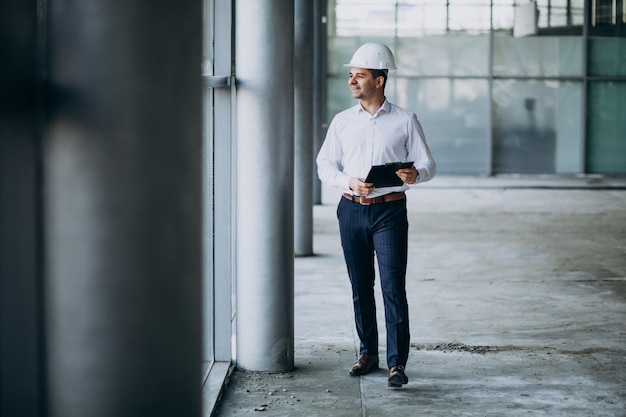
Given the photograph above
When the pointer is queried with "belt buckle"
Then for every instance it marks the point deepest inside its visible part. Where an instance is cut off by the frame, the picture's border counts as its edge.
(363, 201)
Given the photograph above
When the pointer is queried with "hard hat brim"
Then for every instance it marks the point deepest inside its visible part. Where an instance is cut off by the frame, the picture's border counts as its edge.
(368, 67)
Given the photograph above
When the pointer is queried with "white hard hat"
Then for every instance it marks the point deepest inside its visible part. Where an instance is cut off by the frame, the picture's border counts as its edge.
(372, 56)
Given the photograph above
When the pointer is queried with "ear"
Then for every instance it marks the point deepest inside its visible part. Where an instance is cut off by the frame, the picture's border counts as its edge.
(380, 81)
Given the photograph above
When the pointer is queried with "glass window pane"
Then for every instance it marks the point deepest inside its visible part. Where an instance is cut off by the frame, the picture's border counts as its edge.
(577, 9)
(544, 13)
(537, 56)
(606, 137)
(537, 127)
(208, 283)
(362, 18)
(444, 55)
(555, 13)
(470, 2)
(503, 17)
(470, 18)
(607, 56)
(455, 118)
(338, 96)
(421, 20)
(435, 40)
(603, 12)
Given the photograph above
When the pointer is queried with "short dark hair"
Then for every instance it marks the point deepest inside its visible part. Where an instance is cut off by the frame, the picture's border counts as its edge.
(380, 73)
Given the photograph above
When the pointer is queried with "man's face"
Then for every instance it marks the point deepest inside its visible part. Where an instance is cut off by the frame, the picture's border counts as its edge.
(362, 84)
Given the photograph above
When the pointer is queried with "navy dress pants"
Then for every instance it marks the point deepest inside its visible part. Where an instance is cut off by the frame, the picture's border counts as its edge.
(380, 229)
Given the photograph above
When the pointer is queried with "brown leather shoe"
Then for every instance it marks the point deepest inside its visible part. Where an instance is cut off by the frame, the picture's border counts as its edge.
(397, 377)
(365, 364)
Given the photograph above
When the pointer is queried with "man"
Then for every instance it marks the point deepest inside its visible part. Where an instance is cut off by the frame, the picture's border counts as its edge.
(373, 220)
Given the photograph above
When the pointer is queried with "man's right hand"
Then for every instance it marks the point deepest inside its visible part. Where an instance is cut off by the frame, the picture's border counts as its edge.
(360, 187)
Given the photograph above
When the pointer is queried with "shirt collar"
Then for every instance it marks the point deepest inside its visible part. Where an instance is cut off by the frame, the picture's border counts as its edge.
(386, 107)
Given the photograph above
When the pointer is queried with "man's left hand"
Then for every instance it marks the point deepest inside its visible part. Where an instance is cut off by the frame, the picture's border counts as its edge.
(408, 175)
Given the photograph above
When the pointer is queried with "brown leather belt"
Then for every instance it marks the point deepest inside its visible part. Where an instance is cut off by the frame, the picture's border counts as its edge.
(382, 199)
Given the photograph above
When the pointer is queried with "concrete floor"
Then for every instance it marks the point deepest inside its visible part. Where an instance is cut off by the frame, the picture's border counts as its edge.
(517, 294)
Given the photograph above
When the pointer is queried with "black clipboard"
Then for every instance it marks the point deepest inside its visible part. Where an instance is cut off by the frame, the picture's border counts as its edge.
(385, 175)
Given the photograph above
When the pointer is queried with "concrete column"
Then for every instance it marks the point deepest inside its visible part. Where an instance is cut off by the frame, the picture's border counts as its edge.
(265, 177)
(304, 64)
(21, 315)
(123, 208)
(319, 92)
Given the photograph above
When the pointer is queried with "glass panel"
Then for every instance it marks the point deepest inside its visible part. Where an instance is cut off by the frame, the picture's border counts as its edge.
(503, 16)
(536, 124)
(578, 11)
(607, 56)
(363, 17)
(207, 256)
(444, 55)
(608, 18)
(455, 118)
(537, 127)
(209, 35)
(552, 13)
(603, 12)
(537, 56)
(470, 18)
(421, 18)
(606, 131)
(338, 96)
(470, 2)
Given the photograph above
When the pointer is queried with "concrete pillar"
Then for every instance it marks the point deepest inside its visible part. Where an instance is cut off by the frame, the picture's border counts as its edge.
(21, 315)
(265, 177)
(123, 208)
(319, 92)
(304, 157)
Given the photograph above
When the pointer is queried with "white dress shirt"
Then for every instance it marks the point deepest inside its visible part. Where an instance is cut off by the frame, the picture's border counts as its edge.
(357, 140)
